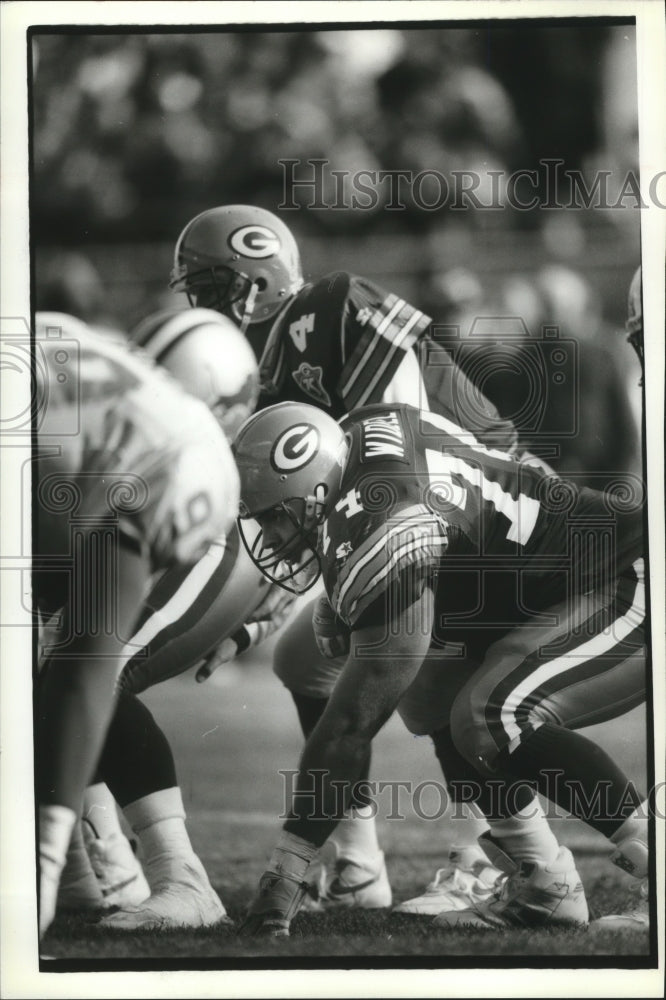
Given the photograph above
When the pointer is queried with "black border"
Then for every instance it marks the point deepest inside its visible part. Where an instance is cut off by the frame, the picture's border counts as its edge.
(343, 962)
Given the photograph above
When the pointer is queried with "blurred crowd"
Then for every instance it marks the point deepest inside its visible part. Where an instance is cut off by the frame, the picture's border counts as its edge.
(134, 134)
(130, 129)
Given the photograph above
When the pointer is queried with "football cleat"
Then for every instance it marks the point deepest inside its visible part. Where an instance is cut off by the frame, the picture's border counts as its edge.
(360, 884)
(276, 904)
(533, 895)
(118, 872)
(632, 857)
(79, 888)
(182, 896)
(468, 879)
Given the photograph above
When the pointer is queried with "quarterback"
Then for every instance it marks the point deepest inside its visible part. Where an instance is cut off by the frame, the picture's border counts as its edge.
(492, 602)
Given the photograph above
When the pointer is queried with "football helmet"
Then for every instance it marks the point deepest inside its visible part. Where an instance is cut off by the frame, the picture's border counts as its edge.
(210, 358)
(290, 459)
(634, 324)
(238, 259)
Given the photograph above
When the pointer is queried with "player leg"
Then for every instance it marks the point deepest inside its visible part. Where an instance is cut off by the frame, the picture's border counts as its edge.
(188, 612)
(505, 816)
(520, 712)
(75, 695)
(138, 766)
(359, 860)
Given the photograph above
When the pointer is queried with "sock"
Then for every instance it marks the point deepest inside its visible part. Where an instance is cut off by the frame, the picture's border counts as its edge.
(292, 856)
(99, 811)
(159, 822)
(56, 825)
(635, 827)
(578, 775)
(526, 836)
(355, 836)
(631, 842)
(77, 867)
(55, 830)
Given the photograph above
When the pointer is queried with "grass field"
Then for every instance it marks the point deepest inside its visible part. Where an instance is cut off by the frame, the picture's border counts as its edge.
(230, 736)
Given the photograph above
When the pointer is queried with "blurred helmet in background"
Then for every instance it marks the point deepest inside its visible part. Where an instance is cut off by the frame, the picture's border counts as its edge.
(209, 356)
(290, 459)
(238, 259)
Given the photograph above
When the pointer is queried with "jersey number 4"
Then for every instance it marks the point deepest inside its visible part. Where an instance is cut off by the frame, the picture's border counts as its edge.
(299, 330)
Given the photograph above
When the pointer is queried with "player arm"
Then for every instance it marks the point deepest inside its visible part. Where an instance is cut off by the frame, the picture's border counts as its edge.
(271, 614)
(406, 385)
(381, 665)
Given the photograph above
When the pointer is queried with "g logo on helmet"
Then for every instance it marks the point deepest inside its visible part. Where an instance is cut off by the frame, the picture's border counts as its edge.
(254, 241)
(295, 447)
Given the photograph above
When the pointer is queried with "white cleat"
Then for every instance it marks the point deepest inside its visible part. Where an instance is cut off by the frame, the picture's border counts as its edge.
(182, 897)
(533, 895)
(79, 888)
(468, 879)
(632, 857)
(637, 919)
(364, 885)
(118, 871)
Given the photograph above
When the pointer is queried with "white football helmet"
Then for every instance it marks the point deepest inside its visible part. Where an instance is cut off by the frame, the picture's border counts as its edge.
(209, 356)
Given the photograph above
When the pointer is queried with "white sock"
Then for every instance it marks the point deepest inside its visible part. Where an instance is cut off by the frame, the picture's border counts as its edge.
(78, 864)
(526, 836)
(158, 820)
(99, 811)
(634, 826)
(355, 836)
(56, 824)
(292, 855)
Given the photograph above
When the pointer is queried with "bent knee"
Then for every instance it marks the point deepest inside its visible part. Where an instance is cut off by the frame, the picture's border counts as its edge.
(472, 735)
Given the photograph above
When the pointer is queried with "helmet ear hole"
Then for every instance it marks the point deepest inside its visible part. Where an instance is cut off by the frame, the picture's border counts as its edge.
(261, 284)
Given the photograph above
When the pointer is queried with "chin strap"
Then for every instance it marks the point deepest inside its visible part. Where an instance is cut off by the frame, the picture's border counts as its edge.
(248, 308)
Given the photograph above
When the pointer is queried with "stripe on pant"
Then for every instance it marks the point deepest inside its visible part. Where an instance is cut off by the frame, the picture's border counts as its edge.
(612, 634)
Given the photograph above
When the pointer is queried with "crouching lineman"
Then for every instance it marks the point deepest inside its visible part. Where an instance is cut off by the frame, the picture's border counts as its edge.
(502, 606)
(132, 476)
(338, 342)
(201, 614)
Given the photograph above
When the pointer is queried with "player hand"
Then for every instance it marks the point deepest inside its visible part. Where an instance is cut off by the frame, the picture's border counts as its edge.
(535, 462)
(277, 902)
(275, 607)
(332, 635)
(222, 653)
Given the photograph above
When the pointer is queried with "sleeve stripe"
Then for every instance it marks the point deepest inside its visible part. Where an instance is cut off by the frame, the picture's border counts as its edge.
(178, 603)
(379, 330)
(412, 547)
(465, 437)
(411, 518)
(404, 341)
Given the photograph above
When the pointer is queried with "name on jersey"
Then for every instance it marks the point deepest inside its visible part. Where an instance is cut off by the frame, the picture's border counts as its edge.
(382, 437)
